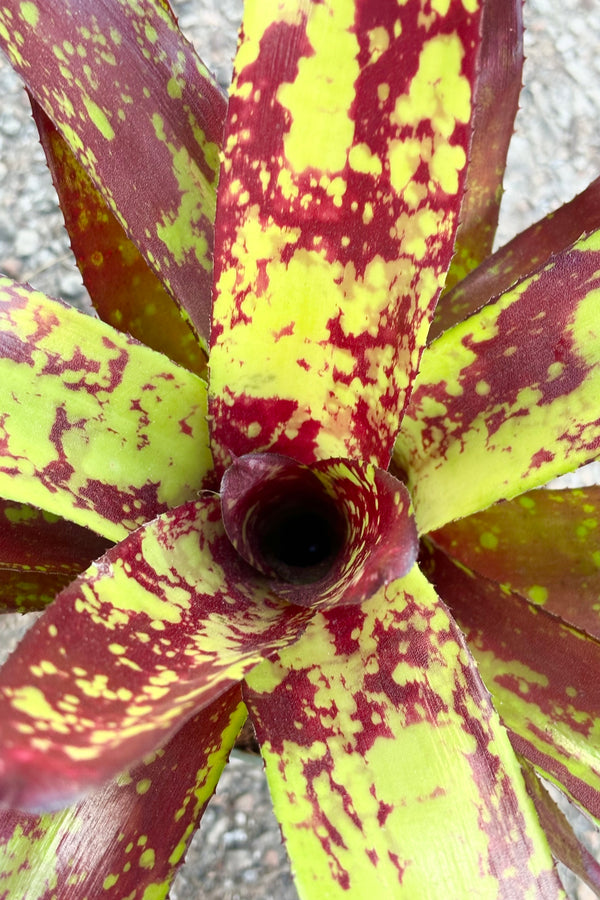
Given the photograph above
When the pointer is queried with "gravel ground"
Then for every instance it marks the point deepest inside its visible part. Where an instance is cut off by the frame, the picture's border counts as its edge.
(555, 154)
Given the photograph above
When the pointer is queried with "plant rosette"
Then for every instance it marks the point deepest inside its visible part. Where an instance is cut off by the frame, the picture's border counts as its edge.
(294, 467)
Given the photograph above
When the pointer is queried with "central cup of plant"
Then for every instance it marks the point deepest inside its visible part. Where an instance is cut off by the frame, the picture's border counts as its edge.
(326, 534)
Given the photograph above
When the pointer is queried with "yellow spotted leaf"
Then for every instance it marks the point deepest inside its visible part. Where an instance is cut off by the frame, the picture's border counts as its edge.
(525, 253)
(39, 555)
(387, 763)
(508, 399)
(154, 631)
(544, 545)
(542, 675)
(128, 838)
(142, 115)
(124, 290)
(344, 163)
(94, 427)
(495, 103)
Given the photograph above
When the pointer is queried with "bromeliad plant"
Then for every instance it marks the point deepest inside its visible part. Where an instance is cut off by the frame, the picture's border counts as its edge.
(255, 528)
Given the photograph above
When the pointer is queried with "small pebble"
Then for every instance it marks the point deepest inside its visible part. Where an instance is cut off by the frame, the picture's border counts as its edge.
(70, 285)
(9, 125)
(235, 838)
(27, 242)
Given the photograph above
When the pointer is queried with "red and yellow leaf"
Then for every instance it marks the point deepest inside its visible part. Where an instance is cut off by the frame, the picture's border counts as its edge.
(39, 555)
(563, 842)
(495, 104)
(345, 153)
(124, 290)
(387, 763)
(508, 399)
(155, 630)
(127, 839)
(94, 427)
(131, 98)
(525, 253)
(542, 674)
(543, 545)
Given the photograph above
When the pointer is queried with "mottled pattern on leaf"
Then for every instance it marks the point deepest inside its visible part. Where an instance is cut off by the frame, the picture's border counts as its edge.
(544, 545)
(508, 399)
(382, 747)
(143, 116)
(124, 290)
(495, 103)
(155, 630)
(127, 839)
(525, 253)
(345, 155)
(94, 427)
(541, 673)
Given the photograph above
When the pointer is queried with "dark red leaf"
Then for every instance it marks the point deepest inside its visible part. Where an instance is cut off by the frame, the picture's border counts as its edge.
(495, 102)
(40, 554)
(521, 256)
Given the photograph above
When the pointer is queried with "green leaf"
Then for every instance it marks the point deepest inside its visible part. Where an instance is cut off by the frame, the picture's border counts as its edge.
(345, 155)
(387, 763)
(520, 257)
(124, 290)
(128, 839)
(22, 591)
(131, 98)
(542, 675)
(39, 555)
(154, 631)
(543, 545)
(495, 103)
(508, 399)
(94, 427)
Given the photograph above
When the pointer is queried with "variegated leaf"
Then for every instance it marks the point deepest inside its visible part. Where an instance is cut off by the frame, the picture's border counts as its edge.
(345, 153)
(131, 98)
(508, 399)
(562, 839)
(328, 534)
(124, 290)
(127, 839)
(542, 675)
(94, 427)
(155, 630)
(495, 103)
(39, 555)
(28, 591)
(387, 763)
(544, 544)
(525, 253)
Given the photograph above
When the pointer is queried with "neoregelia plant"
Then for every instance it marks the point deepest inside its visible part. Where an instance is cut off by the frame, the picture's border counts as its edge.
(255, 526)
